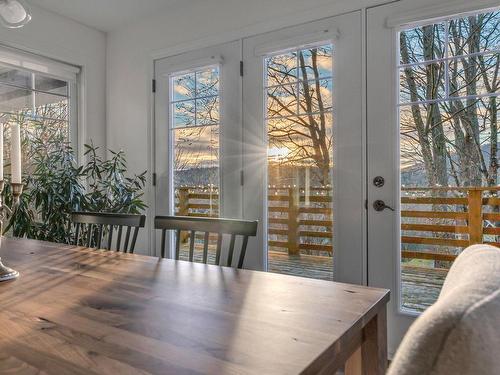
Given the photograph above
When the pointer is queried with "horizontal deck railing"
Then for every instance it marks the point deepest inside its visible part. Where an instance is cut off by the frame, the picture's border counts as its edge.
(436, 223)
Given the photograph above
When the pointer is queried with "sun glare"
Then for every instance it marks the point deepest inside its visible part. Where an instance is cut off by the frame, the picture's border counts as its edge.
(278, 153)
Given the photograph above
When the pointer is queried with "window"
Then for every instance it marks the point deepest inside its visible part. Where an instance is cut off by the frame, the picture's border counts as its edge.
(298, 94)
(448, 113)
(42, 105)
(195, 122)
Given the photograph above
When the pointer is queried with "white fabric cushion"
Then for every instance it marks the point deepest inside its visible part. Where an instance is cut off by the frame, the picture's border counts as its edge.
(460, 333)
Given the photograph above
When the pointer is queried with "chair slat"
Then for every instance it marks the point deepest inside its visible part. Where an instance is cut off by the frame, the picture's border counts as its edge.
(110, 237)
(119, 239)
(99, 236)
(177, 244)
(89, 234)
(69, 231)
(205, 247)
(77, 234)
(127, 237)
(134, 240)
(191, 245)
(231, 250)
(219, 248)
(243, 251)
(163, 244)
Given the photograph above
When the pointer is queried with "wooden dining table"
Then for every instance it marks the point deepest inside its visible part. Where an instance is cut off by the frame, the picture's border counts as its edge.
(76, 310)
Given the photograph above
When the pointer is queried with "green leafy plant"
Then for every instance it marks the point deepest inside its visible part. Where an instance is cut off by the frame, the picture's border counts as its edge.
(109, 188)
(55, 185)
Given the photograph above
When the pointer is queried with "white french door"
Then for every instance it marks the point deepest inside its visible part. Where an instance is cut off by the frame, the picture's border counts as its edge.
(303, 149)
(299, 145)
(317, 145)
(198, 152)
(431, 145)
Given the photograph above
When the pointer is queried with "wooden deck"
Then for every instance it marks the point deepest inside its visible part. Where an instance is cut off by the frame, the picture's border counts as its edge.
(421, 286)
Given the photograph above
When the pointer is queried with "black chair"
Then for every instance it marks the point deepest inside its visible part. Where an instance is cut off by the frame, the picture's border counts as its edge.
(92, 227)
(207, 225)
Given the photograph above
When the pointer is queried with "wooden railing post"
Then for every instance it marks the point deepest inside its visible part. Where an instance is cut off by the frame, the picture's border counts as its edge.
(293, 220)
(475, 216)
(183, 209)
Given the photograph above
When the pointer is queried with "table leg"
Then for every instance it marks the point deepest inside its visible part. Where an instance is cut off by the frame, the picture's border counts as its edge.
(354, 365)
(371, 357)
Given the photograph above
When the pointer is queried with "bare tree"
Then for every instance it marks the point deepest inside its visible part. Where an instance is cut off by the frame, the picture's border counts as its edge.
(195, 128)
(299, 108)
(455, 139)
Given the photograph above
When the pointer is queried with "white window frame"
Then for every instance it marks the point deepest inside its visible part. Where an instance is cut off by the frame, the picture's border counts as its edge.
(29, 62)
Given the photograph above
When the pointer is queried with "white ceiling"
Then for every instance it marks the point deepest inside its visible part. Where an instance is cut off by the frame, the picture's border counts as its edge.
(107, 15)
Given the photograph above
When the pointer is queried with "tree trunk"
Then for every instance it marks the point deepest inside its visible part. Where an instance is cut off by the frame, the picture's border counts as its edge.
(423, 138)
(493, 167)
(434, 121)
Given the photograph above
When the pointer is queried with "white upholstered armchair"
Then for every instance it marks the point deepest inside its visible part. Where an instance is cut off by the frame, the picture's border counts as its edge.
(460, 333)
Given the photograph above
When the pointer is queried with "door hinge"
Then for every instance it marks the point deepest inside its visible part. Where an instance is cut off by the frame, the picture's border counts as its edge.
(366, 204)
(153, 179)
(241, 68)
(153, 85)
(242, 178)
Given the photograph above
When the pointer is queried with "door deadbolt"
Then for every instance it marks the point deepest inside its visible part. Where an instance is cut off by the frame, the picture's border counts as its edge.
(380, 205)
(379, 181)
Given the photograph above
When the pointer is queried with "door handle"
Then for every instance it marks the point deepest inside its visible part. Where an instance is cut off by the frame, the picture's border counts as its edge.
(379, 205)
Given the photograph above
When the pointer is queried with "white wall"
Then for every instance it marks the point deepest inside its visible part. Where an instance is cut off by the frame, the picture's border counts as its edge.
(131, 52)
(60, 38)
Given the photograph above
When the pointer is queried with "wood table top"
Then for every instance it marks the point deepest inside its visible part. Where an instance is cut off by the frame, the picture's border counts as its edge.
(81, 311)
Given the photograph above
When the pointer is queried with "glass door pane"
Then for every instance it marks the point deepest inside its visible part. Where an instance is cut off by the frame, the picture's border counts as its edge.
(194, 102)
(303, 149)
(448, 117)
(299, 122)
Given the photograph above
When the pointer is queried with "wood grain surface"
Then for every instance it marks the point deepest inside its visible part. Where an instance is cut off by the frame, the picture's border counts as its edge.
(80, 311)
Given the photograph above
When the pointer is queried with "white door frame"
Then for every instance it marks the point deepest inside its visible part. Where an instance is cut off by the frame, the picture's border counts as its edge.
(344, 31)
(227, 56)
(383, 23)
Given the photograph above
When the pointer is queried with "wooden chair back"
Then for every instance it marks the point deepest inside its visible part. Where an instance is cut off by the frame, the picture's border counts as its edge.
(96, 229)
(217, 226)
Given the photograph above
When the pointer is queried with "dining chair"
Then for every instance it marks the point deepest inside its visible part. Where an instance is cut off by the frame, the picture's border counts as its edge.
(91, 228)
(207, 226)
